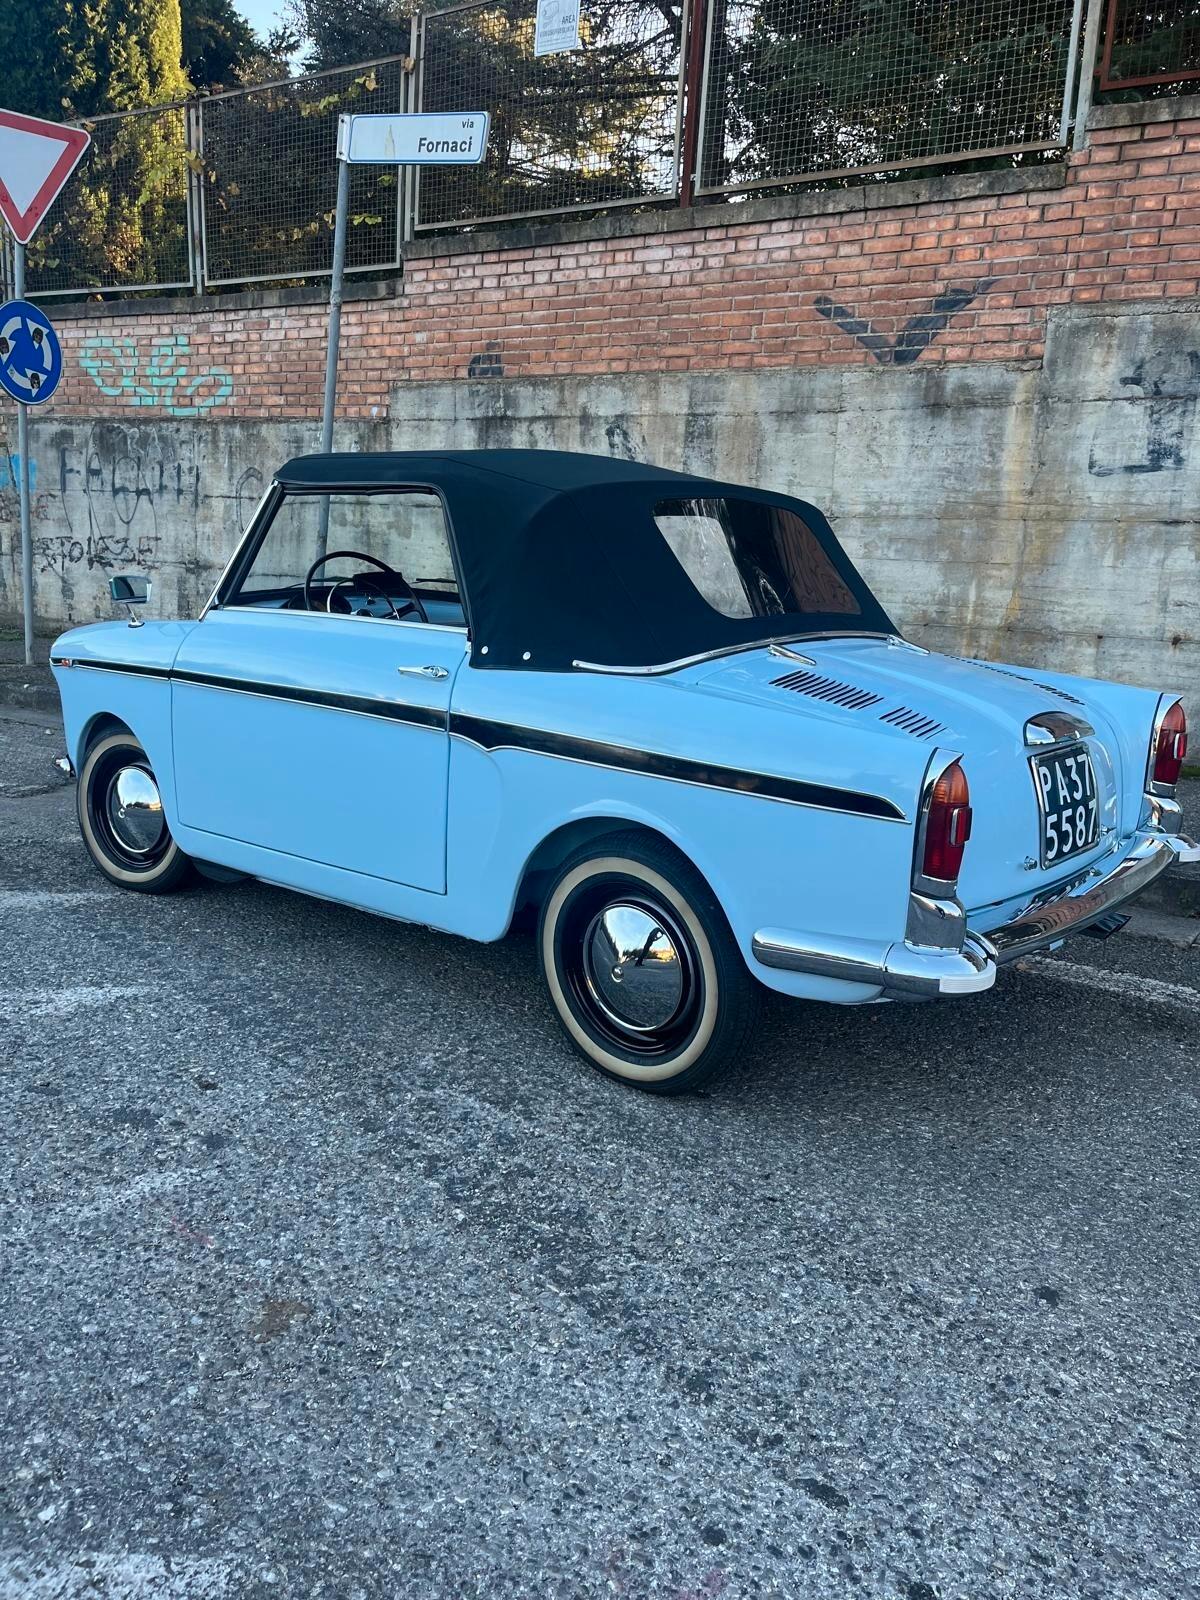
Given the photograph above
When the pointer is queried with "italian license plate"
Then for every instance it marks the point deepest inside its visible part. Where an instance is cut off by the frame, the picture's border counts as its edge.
(1070, 806)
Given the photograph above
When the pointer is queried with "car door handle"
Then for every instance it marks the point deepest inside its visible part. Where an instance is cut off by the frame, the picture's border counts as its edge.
(425, 672)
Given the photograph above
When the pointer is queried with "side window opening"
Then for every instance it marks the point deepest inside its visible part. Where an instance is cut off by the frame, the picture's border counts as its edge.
(408, 570)
(750, 559)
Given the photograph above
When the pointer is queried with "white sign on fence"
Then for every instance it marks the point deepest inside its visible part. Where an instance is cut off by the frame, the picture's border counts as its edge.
(557, 27)
(416, 138)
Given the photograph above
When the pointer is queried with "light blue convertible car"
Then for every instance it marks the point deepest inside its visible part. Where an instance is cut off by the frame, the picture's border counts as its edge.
(664, 713)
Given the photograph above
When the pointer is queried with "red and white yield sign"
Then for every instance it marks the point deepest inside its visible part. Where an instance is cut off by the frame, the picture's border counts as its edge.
(36, 159)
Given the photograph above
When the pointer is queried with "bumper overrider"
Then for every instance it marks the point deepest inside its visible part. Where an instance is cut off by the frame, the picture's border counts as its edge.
(906, 970)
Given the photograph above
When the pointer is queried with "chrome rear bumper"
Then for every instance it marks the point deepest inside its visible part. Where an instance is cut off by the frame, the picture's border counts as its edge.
(904, 971)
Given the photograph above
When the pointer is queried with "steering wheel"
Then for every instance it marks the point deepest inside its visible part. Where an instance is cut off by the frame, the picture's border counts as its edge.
(412, 603)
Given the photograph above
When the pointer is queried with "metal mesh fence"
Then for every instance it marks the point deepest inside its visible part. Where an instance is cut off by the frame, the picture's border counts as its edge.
(122, 221)
(1150, 44)
(594, 127)
(239, 187)
(269, 177)
(800, 89)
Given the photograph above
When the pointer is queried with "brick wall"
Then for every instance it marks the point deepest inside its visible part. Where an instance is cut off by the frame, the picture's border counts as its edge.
(948, 270)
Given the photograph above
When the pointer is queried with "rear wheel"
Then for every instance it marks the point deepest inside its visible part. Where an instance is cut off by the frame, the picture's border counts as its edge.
(122, 821)
(642, 970)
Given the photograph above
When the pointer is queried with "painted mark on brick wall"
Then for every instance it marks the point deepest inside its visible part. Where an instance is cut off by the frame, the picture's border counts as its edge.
(163, 378)
(486, 363)
(917, 334)
(1170, 385)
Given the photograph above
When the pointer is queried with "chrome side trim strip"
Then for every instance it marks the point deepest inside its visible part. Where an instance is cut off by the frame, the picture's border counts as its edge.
(729, 650)
(130, 668)
(489, 735)
(362, 705)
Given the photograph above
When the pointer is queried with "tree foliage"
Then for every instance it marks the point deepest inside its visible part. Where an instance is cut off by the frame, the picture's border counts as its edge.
(79, 58)
(121, 218)
(218, 43)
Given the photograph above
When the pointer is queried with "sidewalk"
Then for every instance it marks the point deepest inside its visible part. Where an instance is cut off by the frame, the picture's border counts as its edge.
(31, 688)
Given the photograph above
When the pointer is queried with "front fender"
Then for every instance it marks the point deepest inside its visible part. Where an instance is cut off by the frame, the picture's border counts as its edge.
(112, 670)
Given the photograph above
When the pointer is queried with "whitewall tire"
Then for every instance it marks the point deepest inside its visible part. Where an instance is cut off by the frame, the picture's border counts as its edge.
(642, 970)
(122, 820)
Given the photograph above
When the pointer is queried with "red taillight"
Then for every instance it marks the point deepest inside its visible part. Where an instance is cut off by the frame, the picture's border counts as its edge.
(1171, 747)
(948, 826)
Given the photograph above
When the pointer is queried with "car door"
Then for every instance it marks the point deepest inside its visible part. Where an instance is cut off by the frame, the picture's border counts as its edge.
(322, 736)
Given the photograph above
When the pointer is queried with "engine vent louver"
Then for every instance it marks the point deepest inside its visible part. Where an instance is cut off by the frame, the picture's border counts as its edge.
(821, 688)
(1046, 688)
(913, 722)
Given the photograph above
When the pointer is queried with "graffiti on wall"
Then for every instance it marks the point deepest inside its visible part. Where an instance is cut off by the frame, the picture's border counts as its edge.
(162, 377)
(128, 496)
(917, 334)
(10, 473)
(1170, 386)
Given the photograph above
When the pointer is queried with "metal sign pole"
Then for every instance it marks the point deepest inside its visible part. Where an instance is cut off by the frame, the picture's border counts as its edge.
(335, 325)
(23, 477)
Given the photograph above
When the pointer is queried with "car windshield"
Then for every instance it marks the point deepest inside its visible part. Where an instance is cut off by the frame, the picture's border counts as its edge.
(747, 558)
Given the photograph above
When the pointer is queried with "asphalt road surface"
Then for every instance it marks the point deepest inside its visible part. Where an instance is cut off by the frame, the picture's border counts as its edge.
(327, 1270)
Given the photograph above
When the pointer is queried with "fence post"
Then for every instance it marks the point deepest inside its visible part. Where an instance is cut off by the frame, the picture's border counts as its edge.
(1087, 73)
(1064, 126)
(692, 88)
(195, 195)
(408, 187)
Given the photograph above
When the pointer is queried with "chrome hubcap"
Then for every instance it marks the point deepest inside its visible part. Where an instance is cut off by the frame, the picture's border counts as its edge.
(634, 967)
(134, 809)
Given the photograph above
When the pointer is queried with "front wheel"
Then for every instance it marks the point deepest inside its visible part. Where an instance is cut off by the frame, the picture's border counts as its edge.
(643, 972)
(122, 821)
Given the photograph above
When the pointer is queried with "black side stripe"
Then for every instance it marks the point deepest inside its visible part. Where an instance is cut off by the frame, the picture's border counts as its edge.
(130, 667)
(492, 735)
(364, 705)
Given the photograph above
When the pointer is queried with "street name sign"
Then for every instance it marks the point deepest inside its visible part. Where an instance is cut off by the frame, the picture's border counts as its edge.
(30, 354)
(415, 138)
(556, 28)
(36, 159)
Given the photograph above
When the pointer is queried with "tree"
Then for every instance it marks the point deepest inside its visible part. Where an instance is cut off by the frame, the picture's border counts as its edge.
(342, 32)
(218, 43)
(122, 218)
(79, 60)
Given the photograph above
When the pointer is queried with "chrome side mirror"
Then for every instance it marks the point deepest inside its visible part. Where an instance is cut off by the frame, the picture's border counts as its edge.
(130, 590)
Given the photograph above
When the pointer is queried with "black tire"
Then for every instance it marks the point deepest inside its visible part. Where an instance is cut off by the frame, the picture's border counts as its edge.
(123, 841)
(688, 1005)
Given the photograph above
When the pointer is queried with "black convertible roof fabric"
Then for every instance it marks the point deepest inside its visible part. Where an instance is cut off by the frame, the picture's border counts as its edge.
(561, 560)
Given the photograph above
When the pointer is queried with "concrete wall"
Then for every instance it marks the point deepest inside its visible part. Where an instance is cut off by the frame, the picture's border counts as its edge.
(1043, 515)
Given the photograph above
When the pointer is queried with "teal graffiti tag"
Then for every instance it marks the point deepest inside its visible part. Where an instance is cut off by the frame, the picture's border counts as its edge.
(10, 473)
(163, 378)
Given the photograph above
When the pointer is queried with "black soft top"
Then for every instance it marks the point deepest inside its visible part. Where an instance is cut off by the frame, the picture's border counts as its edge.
(561, 560)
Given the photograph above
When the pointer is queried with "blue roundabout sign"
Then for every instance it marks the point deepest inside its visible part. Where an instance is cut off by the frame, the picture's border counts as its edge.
(30, 354)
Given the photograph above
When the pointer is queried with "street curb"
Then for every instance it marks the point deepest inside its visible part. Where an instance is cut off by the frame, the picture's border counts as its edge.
(1175, 892)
